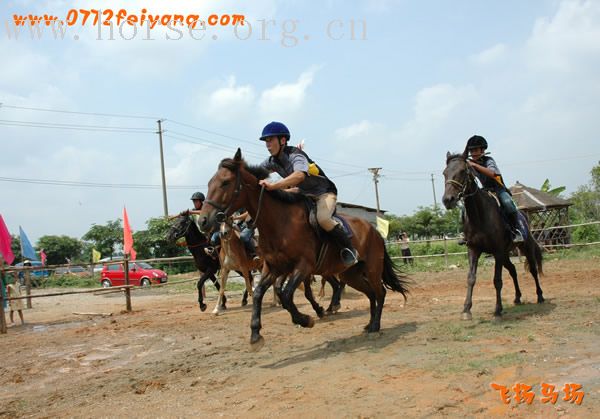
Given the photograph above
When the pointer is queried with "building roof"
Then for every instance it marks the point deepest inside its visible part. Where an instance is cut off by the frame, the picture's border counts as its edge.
(368, 209)
(533, 199)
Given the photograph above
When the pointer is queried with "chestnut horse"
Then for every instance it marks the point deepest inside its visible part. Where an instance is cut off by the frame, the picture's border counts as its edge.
(291, 248)
(486, 231)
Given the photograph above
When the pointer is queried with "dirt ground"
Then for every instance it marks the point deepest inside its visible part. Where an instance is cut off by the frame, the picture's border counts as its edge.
(167, 359)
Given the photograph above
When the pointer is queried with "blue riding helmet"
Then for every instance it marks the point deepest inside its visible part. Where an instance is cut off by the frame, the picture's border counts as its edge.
(275, 129)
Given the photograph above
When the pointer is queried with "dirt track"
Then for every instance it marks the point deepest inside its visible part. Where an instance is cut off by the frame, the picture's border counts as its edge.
(169, 360)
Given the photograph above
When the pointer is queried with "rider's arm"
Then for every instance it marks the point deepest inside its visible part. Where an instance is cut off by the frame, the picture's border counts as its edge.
(290, 181)
(482, 169)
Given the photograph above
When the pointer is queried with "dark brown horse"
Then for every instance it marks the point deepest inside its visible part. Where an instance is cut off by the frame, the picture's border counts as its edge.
(292, 249)
(486, 231)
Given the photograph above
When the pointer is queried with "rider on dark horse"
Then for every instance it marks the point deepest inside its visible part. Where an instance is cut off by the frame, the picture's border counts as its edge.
(487, 172)
(198, 200)
(299, 171)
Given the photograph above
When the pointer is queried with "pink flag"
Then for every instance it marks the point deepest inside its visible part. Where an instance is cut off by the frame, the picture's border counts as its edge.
(5, 241)
(43, 256)
(127, 236)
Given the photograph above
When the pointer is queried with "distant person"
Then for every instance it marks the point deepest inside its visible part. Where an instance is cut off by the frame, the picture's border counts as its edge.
(404, 247)
(14, 290)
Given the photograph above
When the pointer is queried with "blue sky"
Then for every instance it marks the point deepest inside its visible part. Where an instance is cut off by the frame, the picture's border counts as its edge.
(427, 76)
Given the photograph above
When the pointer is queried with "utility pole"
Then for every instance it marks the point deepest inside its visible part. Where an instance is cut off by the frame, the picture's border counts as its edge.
(162, 168)
(433, 187)
(375, 171)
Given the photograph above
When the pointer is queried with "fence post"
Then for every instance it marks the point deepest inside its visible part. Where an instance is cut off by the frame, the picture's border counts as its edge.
(28, 286)
(446, 251)
(127, 290)
(2, 283)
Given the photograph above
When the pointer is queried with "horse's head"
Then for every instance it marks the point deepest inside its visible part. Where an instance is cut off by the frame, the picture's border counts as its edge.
(456, 176)
(226, 229)
(179, 228)
(226, 192)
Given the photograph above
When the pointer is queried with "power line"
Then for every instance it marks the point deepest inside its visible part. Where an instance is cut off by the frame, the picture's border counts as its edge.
(35, 124)
(112, 115)
(57, 182)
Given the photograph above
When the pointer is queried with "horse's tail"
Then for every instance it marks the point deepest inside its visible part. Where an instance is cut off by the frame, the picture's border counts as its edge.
(536, 252)
(392, 277)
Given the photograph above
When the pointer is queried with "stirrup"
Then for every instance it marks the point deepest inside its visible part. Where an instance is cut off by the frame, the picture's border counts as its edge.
(518, 237)
(210, 251)
(349, 256)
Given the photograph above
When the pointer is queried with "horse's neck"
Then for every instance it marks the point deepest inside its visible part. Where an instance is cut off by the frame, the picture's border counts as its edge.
(274, 218)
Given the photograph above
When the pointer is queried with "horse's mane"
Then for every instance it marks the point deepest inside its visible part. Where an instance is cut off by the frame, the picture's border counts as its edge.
(260, 173)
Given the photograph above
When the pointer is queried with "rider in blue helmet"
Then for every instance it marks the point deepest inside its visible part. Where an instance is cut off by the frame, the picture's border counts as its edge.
(299, 171)
(488, 173)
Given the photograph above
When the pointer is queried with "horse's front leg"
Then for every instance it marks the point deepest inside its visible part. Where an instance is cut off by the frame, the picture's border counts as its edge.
(473, 261)
(287, 299)
(249, 291)
(256, 340)
(338, 288)
(498, 286)
(220, 307)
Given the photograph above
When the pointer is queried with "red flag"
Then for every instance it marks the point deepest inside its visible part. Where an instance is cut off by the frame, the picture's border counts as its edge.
(5, 241)
(43, 256)
(127, 236)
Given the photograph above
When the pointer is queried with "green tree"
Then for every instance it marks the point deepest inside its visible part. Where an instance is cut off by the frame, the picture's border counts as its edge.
(586, 207)
(546, 187)
(15, 246)
(105, 238)
(152, 243)
(59, 248)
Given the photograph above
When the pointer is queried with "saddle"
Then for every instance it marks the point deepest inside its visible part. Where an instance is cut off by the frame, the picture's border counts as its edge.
(311, 207)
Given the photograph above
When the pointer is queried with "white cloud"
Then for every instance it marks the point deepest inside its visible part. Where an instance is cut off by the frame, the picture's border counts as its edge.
(434, 104)
(229, 102)
(490, 55)
(359, 129)
(285, 98)
(562, 41)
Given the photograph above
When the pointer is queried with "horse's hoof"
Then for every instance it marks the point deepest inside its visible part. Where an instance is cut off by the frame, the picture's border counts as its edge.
(310, 322)
(256, 343)
(467, 316)
(518, 302)
(321, 312)
(497, 319)
(203, 307)
(244, 303)
(541, 300)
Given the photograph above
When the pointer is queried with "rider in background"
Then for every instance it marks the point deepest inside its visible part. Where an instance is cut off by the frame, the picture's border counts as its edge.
(244, 222)
(198, 200)
(488, 173)
(298, 170)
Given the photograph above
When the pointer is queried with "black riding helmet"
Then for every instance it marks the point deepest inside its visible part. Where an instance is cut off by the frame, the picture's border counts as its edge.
(198, 195)
(477, 141)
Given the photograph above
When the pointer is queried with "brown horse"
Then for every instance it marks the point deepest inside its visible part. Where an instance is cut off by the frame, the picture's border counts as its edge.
(292, 249)
(233, 257)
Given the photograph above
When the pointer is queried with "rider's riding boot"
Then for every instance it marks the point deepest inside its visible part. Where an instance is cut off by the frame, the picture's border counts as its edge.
(517, 237)
(212, 251)
(348, 254)
(461, 239)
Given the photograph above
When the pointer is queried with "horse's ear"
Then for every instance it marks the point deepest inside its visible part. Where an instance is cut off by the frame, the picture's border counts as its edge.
(238, 155)
(447, 155)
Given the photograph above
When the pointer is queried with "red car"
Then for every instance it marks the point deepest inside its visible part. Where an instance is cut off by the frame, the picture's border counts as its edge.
(140, 274)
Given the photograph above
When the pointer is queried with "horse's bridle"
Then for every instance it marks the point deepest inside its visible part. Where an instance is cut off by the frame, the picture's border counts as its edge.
(236, 194)
(463, 186)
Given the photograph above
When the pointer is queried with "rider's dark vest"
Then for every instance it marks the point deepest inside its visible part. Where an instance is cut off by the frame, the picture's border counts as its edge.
(315, 183)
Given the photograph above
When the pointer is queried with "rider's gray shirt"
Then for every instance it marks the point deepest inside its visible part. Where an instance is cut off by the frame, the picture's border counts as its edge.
(292, 160)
